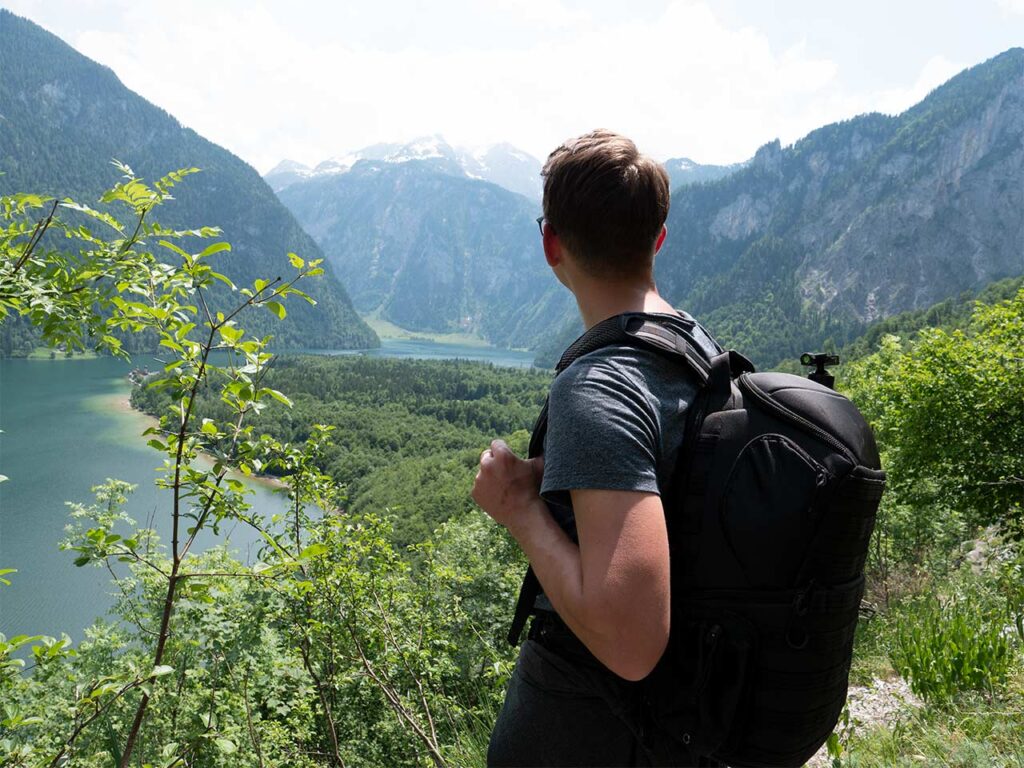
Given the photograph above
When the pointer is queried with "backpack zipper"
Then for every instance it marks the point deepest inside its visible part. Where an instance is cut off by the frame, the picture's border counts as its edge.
(792, 415)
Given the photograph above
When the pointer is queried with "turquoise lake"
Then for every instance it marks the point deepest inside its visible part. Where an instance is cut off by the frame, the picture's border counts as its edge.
(66, 428)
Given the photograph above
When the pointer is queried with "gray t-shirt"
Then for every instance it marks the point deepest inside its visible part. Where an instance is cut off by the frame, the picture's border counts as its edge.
(616, 418)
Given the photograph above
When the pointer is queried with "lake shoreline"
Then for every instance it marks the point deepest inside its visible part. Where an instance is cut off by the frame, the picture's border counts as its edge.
(121, 404)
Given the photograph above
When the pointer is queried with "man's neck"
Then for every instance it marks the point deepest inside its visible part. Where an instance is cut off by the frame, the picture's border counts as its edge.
(599, 300)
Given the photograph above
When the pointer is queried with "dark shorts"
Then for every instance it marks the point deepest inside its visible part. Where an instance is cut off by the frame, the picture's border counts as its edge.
(564, 708)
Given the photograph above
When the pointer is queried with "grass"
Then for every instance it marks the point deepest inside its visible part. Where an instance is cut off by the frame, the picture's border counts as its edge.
(973, 731)
(388, 330)
(45, 353)
(965, 721)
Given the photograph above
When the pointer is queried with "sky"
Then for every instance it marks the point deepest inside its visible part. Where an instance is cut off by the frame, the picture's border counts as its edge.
(711, 80)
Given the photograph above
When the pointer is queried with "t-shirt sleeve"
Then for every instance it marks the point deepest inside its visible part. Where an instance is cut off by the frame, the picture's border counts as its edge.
(602, 433)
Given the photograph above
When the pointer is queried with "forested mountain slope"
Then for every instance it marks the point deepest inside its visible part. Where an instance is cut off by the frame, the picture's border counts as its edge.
(433, 251)
(858, 220)
(64, 117)
(951, 314)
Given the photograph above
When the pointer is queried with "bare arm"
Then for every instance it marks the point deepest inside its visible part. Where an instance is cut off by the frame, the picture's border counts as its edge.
(613, 589)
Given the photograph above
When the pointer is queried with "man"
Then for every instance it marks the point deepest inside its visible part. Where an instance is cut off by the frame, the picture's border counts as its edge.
(589, 514)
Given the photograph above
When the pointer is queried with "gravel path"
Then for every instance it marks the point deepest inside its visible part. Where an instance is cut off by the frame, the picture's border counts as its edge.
(878, 703)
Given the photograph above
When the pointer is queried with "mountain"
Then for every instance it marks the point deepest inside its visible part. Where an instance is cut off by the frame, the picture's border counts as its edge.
(424, 238)
(506, 166)
(800, 246)
(501, 164)
(683, 170)
(432, 251)
(63, 117)
(858, 220)
(804, 246)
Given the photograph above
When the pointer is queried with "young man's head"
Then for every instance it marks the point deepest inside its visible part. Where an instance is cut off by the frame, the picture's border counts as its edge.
(607, 203)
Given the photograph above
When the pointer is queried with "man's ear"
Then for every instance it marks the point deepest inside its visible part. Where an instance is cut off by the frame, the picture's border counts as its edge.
(661, 238)
(552, 248)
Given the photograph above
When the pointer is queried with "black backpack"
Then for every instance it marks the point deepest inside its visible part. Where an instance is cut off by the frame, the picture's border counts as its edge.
(769, 517)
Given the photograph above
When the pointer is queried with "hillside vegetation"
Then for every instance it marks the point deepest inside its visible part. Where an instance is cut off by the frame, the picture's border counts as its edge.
(341, 645)
(947, 568)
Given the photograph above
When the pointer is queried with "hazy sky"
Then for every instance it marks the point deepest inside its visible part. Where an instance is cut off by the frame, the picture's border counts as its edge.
(713, 80)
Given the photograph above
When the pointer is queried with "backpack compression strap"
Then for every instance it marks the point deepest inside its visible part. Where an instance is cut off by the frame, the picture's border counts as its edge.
(635, 329)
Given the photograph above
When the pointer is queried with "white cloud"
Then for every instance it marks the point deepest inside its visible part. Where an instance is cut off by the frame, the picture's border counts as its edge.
(1011, 6)
(270, 80)
(935, 72)
(544, 13)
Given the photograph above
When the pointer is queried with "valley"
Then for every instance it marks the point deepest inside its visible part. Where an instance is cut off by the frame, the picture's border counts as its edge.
(346, 603)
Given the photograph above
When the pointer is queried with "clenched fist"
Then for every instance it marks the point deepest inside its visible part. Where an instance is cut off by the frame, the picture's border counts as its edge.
(507, 486)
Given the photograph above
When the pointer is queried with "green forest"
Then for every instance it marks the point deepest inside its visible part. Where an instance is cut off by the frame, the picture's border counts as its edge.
(370, 632)
(406, 434)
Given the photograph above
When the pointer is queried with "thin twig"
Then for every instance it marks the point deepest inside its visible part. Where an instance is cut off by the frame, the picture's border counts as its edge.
(131, 604)
(393, 698)
(248, 718)
(33, 241)
(69, 742)
(405, 662)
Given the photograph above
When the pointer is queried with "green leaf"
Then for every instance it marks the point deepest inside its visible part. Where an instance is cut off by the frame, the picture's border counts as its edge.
(230, 334)
(226, 746)
(313, 550)
(279, 396)
(277, 308)
(296, 260)
(177, 249)
(223, 278)
(161, 670)
(182, 332)
(214, 248)
(835, 749)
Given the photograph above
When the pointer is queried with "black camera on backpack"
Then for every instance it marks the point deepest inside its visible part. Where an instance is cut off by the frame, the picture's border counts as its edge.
(819, 360)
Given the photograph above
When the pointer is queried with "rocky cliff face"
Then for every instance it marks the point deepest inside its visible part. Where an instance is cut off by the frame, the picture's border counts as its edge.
(956, 223)
(859, 220)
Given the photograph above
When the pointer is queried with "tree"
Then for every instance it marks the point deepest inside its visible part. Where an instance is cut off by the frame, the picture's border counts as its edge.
(949, 413)
(333, 648)
(118, 284)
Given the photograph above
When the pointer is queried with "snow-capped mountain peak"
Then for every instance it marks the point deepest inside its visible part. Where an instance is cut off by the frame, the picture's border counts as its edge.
(501, 164)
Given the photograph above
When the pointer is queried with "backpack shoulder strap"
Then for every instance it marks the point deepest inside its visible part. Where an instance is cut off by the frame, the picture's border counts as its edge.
(642, 330)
